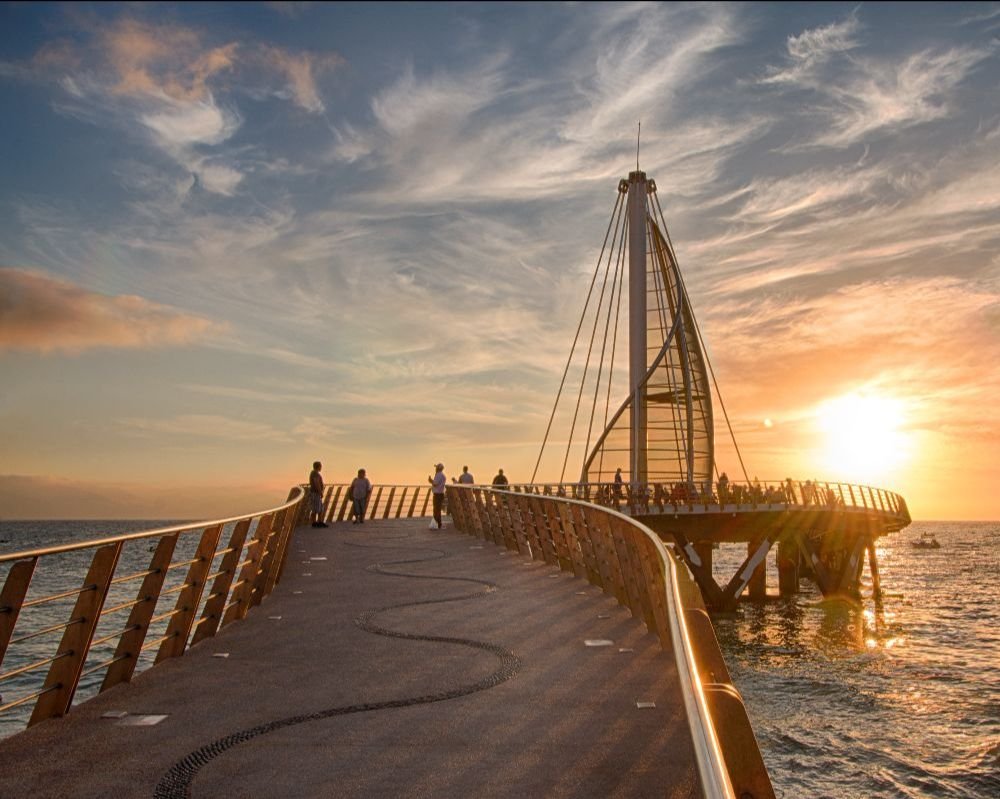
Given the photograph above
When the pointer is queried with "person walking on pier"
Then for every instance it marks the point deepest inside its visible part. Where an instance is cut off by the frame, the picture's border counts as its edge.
(619, 483)
(361, 489)
(316, 495)
(500, 481)
(438, 482)
(723, 489)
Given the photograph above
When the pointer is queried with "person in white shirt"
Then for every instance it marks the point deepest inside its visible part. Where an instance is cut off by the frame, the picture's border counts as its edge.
(361, 489)
(465, 477)
(438, 482)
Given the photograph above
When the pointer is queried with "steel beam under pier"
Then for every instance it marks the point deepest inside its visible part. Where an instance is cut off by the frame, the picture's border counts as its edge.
(828, 547)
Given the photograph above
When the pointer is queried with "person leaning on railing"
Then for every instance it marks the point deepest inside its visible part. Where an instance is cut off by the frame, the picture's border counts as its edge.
(316, 495)
(361, 490)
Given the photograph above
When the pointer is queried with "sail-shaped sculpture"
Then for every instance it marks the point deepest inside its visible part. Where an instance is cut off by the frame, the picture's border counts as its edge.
(664, 428)
(658, 429)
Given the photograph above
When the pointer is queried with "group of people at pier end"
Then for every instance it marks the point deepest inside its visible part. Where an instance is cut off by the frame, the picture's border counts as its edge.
(361, 489)
(359, 492)
(612, 494)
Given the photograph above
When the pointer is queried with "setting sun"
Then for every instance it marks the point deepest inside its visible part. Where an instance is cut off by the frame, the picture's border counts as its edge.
(864, 437)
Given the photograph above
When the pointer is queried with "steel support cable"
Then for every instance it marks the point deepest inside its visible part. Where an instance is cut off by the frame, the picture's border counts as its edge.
(590, 351)
(604, 350)
(614, 345)
(718, 393)
(615, 285)
(661, 276)
(614, 349)
(579, 327)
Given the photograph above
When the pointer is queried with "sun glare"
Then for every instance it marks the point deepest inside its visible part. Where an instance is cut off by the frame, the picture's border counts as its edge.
(865, 441)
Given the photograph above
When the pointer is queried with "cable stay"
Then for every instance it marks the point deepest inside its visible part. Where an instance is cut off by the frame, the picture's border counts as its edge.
(658, 427)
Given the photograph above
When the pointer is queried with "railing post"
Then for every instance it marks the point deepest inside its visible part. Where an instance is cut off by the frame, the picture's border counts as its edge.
(373, 508)
(655, 585)
(187, 601)
(621, 534)
(280, 554)
(211, 616)
(64, 674)
(571, 540)
(538, 551)
(514, 510)
(595, 532)
(388, 502)
(582, 516)
(130, 644)
(482, 521)
(332, 505)
(12, 597)
(242, 596)
(402, 499)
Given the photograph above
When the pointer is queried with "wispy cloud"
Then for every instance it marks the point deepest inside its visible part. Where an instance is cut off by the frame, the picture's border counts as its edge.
(858, 95)
(42, 314)
(206, 426)
(813, 48)
(180, 89)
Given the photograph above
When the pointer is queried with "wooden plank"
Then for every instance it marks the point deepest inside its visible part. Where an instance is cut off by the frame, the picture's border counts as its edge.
(240, 603)
(64, 674)
(211, 616)
(333, 504)
(179, 628)
(130, 644)
(388, 502)
(15, 588)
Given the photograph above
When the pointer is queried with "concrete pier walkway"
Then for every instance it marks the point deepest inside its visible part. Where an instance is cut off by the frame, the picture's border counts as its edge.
(392, 660)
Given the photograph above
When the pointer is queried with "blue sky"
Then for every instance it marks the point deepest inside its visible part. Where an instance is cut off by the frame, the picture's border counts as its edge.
(238, 237)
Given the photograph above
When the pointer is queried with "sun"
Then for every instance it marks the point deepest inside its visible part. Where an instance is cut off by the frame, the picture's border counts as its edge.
(865, 437)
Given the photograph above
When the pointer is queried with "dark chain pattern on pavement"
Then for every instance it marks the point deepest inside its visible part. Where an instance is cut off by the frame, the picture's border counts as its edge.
(176, 783)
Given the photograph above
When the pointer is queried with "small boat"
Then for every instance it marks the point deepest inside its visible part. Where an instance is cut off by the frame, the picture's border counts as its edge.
(926, 541)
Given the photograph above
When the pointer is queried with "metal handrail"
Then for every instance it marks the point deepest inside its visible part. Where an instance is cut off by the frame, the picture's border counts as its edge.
(158, 532)
(89, 607)
(498, 508)
(708, 752)
(388, 501)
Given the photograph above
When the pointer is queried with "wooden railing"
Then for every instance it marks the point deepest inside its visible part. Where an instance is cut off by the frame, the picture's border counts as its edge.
(734, 496)
(72, 630)
(385, 502)
(629, 562)
(409, 501)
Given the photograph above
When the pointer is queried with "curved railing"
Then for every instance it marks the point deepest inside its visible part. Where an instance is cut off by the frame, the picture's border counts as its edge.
(66, 622)
(385, 502)
(408, 501)
(628, 561)
(734, 496)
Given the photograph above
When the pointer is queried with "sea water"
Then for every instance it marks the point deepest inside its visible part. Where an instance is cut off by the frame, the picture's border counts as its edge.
(899, 699)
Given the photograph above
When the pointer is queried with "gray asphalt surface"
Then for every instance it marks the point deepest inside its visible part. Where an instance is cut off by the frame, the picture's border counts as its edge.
(312, 704)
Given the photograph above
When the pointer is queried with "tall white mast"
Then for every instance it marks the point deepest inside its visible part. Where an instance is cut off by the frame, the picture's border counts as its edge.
(637, 212)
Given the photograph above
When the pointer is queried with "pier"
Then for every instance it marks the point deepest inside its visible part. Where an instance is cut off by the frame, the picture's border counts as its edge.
(558, 652)
(553, 640)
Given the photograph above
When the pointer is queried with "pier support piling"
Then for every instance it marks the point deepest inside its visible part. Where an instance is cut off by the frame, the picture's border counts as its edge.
(788, 568)
(873, 568)
(757, 586)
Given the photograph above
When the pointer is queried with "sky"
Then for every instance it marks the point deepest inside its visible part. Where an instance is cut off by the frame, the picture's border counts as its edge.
(237, 238)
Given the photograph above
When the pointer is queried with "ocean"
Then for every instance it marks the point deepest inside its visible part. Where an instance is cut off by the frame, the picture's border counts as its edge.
(847, 701)
(898, 701)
